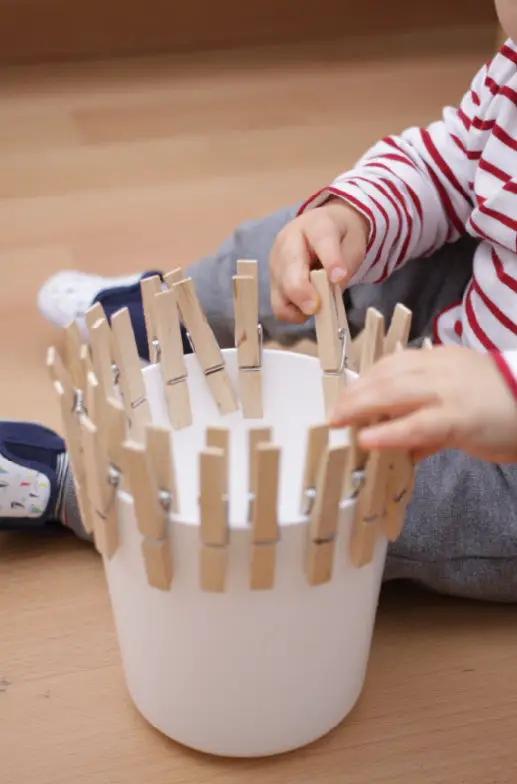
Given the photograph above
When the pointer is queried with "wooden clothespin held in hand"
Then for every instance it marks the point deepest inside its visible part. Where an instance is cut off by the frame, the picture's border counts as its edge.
(333, 336)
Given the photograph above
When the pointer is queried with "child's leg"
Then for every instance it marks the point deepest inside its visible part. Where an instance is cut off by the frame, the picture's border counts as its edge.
(34, 477)
(460, 533)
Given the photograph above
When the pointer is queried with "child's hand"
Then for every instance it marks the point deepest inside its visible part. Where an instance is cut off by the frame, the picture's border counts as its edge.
(448, 397)
(334, 236)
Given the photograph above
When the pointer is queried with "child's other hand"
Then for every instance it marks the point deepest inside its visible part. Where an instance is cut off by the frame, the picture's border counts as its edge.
(334, 236)
(448, 397)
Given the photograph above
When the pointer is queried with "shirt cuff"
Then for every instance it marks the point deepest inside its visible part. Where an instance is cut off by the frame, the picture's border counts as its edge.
(371, 270)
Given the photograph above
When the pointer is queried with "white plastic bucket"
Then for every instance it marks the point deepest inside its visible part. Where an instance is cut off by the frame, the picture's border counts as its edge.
(244, 673)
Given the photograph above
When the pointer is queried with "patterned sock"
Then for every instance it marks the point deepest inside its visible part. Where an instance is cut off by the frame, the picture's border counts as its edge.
(33, 464)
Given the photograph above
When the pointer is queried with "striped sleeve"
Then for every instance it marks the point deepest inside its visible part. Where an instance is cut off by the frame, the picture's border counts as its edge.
(415, 189)
(506, 361)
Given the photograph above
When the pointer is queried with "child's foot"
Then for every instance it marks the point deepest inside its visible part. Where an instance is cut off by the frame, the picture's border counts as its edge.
(36, 487)
(67, 295)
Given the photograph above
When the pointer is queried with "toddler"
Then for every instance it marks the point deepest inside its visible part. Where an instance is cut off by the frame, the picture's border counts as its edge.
(424, 218)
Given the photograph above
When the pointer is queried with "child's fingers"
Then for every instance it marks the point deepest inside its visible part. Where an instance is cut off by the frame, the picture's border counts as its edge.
(424, 431)
(373, 398)
(284, 310)
(291, 264)
(353, 248)
(324, 241)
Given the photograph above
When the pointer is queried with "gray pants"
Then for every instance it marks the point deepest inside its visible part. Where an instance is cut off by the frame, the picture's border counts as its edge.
(460, 534)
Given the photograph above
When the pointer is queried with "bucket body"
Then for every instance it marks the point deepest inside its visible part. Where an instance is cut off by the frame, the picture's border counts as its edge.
(244, 673)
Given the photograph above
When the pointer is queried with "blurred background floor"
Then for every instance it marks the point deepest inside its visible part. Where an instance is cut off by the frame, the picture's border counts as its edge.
(121, 166)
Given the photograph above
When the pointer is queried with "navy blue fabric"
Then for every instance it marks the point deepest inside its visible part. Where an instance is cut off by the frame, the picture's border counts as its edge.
(130, 297)
(37, 448)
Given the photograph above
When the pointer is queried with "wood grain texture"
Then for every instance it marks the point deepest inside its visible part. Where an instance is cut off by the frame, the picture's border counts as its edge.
(82, 186)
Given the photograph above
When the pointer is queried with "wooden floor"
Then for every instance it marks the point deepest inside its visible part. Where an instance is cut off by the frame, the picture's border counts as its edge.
(123, 166)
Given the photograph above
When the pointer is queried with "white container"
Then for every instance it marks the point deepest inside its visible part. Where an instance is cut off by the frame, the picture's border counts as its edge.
(244, 673)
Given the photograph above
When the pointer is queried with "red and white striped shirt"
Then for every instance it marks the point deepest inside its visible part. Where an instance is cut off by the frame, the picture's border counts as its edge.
(429, 186)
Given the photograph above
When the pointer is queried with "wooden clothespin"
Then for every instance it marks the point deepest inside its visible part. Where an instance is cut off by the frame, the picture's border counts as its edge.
(399, 488)
(264, 524)
(73, 347)
(256, 436)
(103, 364)
(372, 347)
(400, 477)
(342, 319)
(151, 503)
(371, 467)
(106, 374)
(149, 288)
(93, 314)
(93, 403)
(213, 505)
(370, 510)
(159, 450)
(248, 338)
(102, 489)
(171, 358)
(219, 438)
(108, 443)
(317, 445)
(324, 516)
(248, 268)
(85, 358)
(399, 329)
(373, 342)
(206, 347)
(104, 368)
(173, 277)
(131, 380)
(70, 404)
(115, 435)
(332, 334)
